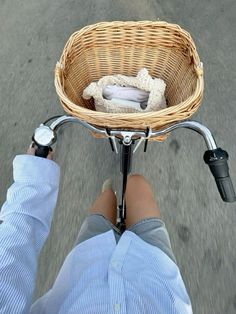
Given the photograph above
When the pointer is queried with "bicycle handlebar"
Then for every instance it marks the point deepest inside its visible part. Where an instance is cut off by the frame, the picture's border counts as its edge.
(217, 161)
(215, 157)
(193, 125)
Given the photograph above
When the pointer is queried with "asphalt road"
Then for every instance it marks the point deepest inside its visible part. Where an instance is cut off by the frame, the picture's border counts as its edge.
(201, 226)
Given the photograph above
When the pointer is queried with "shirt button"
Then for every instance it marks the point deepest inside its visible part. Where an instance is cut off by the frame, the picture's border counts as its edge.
(117, 307)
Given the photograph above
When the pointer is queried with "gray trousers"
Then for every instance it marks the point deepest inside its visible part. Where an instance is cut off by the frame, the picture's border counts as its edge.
(150, 230)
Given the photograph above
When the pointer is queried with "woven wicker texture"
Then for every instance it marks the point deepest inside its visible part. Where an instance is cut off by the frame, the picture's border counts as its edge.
(106, 48)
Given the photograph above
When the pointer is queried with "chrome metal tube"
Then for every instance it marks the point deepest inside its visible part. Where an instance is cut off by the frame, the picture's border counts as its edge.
(193, 125)
(65, 119)
(189, 124)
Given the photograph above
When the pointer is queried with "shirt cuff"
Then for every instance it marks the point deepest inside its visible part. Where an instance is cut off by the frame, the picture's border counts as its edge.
(28, 168)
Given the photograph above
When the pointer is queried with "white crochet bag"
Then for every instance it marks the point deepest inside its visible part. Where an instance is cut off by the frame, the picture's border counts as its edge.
(143, 81)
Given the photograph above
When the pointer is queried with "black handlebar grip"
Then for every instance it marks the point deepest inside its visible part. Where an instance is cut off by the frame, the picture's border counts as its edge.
(217, 162)
(42, 151)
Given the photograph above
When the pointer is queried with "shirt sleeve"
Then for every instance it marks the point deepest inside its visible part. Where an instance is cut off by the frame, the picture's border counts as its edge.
(26, 218)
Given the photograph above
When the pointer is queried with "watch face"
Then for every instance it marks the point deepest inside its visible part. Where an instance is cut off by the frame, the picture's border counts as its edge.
(44, 136)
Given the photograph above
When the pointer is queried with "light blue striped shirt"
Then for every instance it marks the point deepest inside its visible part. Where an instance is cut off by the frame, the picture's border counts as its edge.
(98, 276)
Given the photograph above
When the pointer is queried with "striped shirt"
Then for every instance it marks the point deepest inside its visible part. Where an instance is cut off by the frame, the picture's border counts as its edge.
(98, 276)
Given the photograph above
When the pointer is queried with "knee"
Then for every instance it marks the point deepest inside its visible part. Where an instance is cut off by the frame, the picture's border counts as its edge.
(136, 179)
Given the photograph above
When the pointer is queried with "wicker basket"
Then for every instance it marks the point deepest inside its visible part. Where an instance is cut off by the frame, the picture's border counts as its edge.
(166, 50)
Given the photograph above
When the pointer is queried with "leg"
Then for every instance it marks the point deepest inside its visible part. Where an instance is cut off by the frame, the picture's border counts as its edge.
(140, 201)
(102, 217)
(143, 215)
(105, 204)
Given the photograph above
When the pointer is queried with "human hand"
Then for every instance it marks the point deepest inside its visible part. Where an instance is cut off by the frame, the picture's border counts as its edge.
(32, 148)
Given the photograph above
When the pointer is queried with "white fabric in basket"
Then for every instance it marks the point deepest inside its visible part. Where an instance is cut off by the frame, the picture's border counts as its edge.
(143, 81)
